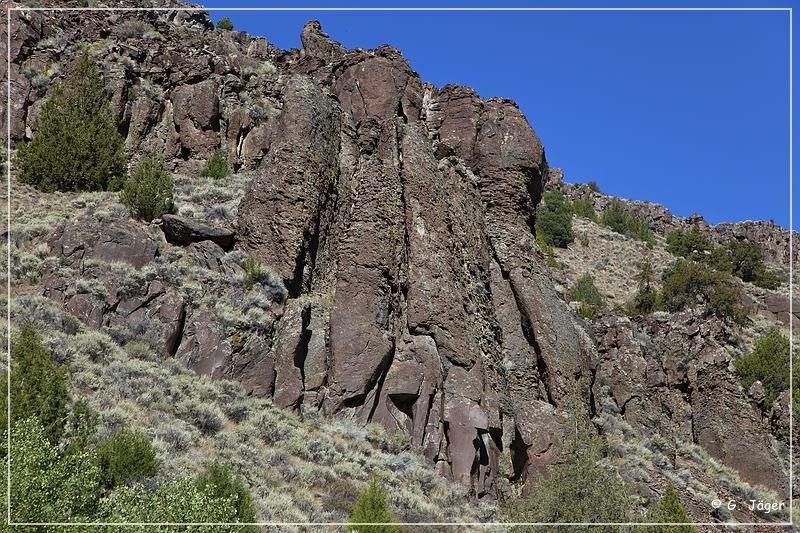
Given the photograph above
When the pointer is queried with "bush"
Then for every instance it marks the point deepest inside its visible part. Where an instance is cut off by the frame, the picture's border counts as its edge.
(646, 299)
(253, 272)
(38, 385)
(583, 207)
(745, 260)
(618, 219)
(767, 363)
(688, 283)
(46, 486)
(593, 186)
(689, 244)
(149, 191)
(75, 145)
(669, 510)
(217, 166)
(584, 290)
(225, 24)
(127, 456)
(372, 507)
(220, 482)
(548, 251)
(554, 220)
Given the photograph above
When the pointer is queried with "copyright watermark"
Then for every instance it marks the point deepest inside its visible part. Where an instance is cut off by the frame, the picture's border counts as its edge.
(751, 505)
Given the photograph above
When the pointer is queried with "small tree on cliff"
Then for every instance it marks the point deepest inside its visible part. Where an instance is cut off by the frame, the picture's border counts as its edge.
(372, 507)
(75, 145)
(670, 510)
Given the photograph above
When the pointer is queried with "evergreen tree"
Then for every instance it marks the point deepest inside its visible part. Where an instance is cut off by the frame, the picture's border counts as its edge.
(554, 220)
(127, 456)
(38, 385)
(75, 145)
(768, 363)
(217, 166)
(670, 510)
(149, 191)
(225, 23)
(220, 481)
(372, 507)
(646, 300)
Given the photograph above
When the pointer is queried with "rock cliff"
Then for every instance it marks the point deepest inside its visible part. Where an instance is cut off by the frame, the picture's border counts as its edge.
(397, 219)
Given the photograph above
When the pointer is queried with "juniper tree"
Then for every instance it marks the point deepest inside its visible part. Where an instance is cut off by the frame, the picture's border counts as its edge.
(372, 507)
(670, 510)
(76, 145)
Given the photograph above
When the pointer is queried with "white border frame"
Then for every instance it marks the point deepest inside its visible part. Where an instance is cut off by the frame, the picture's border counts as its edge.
(429, 524)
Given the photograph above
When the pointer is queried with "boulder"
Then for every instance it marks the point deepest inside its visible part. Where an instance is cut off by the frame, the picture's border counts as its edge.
(184, 230)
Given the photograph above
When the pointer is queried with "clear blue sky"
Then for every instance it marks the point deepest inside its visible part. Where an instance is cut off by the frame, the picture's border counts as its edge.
(686, 109)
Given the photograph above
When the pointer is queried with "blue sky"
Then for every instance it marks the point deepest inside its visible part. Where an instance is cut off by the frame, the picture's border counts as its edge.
(689, 109)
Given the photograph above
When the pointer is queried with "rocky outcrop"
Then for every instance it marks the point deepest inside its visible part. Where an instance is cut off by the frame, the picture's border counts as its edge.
(400, 218)
(183, 230)
(669, 375)
(771, 238)
(401, 215)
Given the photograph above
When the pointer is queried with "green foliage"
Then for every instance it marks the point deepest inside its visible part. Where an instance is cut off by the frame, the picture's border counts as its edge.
(554, 220)
(669, 510)
(584, 290)
(583, 207)
(745, 260)
(767, 363)
(646, 299)
(46, 486)
(149, 191)
(225, 24)
(579, 487)
(178, 501)
(593, 186)
(81, 427)
(38, 385)
(688, 283)
(127, 456)
(75, 145)
(253, 272)
(217, 166)
(548, 251)
(372, 507)
(618, 219)
(689, 244)
(222, 483)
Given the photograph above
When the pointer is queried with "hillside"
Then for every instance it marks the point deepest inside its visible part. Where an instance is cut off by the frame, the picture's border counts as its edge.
(363, 293)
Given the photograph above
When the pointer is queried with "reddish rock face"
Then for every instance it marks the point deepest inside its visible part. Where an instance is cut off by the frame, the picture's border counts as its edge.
(402, 216)
(399, 216)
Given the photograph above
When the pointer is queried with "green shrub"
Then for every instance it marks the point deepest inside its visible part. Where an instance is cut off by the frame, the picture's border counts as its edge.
(217, 166)
(127, 456)
(149, 191)
(554, 220)
(177, 501)
(548, 251)
(669, 509)
(372, 507)
(689, 244)
(617, 218)
(38, 385)
(767, 363)
(689, 283)
(584, 290)
(744, 260)
(583, 207)
(253, 272)
(225, 24)
(75, 145)
(593, 186)
(45, 485)
(220, 482)
(646, 299)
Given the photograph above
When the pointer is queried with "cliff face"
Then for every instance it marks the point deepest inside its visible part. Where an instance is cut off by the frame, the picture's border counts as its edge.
(398, 220)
